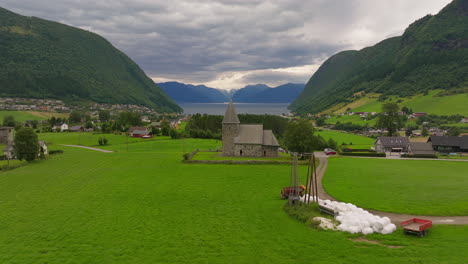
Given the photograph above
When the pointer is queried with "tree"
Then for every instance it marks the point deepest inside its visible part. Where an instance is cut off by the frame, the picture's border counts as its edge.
(26, 144)
(75, 117)
(454, 132)
(299, 136)
(88, 124)
(104, 115)
(424, 132)
(320, 121)
(174, 134)
(389, 118)
(155, 131)
(9, 120)
(165, 127)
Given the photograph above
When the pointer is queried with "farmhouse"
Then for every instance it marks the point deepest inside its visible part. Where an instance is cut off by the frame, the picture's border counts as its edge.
(391, 144)
(421, 148)
(62, 127)
(249, 140)
(78, 128)
(6, 135)
(139, 132)
(449, 143)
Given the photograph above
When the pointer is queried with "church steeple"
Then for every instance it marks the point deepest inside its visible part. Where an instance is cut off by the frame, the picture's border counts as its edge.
(230, 117)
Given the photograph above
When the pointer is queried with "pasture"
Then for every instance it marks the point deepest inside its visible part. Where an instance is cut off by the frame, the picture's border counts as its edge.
(145, 206)
(347, 138)
(22, 116)
(422, 187)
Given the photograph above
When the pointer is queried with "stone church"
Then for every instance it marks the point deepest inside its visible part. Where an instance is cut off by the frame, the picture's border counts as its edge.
(249, 140)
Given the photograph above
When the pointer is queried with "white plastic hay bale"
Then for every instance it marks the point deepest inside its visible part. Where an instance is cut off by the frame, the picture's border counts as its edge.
(388, 229)
(367, 231)
(354, 229)
(386, 220)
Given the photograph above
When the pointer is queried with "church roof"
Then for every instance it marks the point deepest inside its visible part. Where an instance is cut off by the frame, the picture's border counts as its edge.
(269, 139)
(250, 134)
(230, 117)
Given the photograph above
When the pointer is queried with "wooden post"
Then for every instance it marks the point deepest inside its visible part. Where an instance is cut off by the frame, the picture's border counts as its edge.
(315, 180)
(306, 198)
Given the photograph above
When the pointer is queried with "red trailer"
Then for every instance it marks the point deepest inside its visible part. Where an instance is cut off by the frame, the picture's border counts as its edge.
(290, 190)
(416, 226)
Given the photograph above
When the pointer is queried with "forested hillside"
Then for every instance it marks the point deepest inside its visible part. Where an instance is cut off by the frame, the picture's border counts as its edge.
(431, 54)
(187, 93)
(44, 59)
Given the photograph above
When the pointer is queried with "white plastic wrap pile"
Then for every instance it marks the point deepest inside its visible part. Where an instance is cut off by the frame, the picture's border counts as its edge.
(357, 220)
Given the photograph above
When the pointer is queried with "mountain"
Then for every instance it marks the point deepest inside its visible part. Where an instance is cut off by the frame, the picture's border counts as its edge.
(431, 54)
(285, 93)
(187, 93)
(246, 94)
(45, 59)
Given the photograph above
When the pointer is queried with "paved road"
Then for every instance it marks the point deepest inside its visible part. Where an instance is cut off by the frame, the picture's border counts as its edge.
(96, 149)
(396, 218)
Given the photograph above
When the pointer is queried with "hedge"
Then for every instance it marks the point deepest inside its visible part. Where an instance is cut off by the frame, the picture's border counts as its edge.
(363, 154)
(348, 150)
(420, 156)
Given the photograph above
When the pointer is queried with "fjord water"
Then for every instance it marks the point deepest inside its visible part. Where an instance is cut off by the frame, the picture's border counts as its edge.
(242, 108)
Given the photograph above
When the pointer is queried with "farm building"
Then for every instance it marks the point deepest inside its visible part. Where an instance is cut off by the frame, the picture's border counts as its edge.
(391, 144)
(78, 128)
(449, 143)
(139, 132)
(249, 140)
(6, 135)
(421, 148)
(61, 126)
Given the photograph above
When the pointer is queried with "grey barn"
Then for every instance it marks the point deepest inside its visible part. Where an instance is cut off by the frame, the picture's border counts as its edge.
(248, 140)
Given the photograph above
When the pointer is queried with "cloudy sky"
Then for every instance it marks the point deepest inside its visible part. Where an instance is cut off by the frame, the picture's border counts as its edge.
(228, 44)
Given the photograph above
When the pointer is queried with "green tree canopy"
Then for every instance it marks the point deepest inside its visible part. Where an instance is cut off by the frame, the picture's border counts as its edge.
(26, 144)
(9, 120)
(299, 136)
(390, 119)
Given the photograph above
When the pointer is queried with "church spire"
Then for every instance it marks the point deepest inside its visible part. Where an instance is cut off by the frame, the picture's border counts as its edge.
(230, 117)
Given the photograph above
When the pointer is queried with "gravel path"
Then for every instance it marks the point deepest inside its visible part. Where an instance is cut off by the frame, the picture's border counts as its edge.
(396, 218)
(96, 149)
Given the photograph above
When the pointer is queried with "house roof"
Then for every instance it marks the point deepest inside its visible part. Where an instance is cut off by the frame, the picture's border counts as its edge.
(250, 134)
(447, 141)
(78, 127)
(141, 132)
(230, 117)
(421, 148)
(464, 142)
(394, 142)
(269, 138)
(131, 129)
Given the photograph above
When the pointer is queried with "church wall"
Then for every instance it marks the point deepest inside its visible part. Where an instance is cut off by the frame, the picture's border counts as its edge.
(248, 150)
(270, 151)
(230, 131)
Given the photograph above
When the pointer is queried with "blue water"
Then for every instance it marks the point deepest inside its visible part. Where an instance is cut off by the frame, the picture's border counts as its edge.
(248, 108)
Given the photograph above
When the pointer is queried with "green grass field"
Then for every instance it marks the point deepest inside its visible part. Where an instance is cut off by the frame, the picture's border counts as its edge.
(145, 206)
(22, 116)
(421, 187)
(217, 156)
(351, 119)
(437, 105)
(347, 138)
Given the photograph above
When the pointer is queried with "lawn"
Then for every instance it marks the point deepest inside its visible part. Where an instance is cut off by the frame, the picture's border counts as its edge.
(22, 116)
(355, 119)
(218, 156)
(347, 138)
(145, 206)
(430, 103)
(423, 187)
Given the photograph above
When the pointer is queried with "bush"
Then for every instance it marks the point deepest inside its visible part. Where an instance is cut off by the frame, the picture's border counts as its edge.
(358, 150)
(363, 154)
(420, 156)
(102, 141)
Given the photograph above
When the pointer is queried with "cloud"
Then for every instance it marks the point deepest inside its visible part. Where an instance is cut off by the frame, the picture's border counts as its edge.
(233, 42)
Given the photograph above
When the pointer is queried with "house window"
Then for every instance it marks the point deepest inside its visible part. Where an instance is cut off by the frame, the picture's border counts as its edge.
(264, 153)
(241, 152)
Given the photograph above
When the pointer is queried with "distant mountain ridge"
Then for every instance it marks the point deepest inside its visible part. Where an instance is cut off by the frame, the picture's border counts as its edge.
(431, 54)
(45, 59)
(187, 93)
(259, 93)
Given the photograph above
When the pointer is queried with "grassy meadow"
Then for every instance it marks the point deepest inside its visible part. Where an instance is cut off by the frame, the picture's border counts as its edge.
(430, 103)
(145, 206)
(347, 138)
(422, 187)
(22, 116)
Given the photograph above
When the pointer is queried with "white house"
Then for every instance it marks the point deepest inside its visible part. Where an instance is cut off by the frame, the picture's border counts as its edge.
(62, 127)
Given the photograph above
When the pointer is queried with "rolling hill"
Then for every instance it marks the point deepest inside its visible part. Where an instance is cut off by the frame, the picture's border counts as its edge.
(432, 54)
(45, 59)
